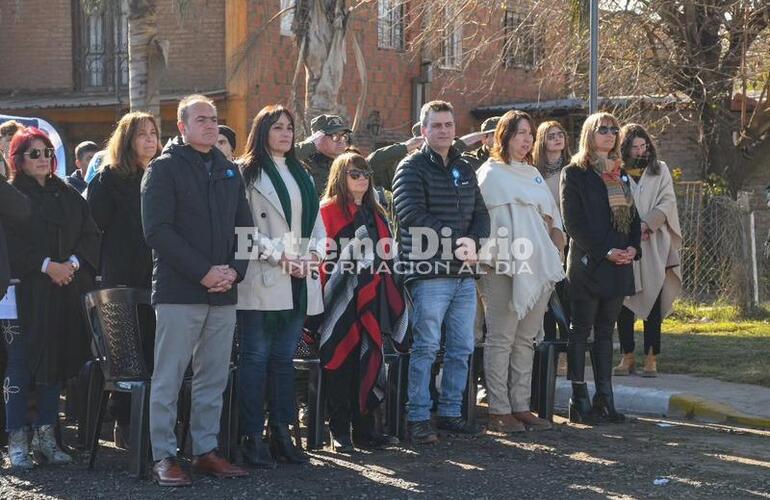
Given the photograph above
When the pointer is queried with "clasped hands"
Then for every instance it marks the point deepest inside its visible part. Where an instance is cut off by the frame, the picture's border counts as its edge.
(219, 279)
(621, 257)
(300, 267)
(61, 273)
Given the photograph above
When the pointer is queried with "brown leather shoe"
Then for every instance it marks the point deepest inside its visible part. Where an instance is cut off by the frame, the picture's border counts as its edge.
(532, 422)
(216, 466)
(504, 423)
(167, 472)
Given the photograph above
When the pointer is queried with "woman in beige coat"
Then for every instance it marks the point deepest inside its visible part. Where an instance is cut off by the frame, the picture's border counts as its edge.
(281, 287)
(657, 275)
(520, 266)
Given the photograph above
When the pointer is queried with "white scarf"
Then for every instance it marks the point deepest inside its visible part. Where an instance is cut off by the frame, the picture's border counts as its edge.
(518, 199)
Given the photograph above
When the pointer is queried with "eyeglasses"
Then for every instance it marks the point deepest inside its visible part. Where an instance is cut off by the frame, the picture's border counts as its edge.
(460, 177)
(340, 137)
(34, 154)
(555, 135)
(357, 174)
(604, 130)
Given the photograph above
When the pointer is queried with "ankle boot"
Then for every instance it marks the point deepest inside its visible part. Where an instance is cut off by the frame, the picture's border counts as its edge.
(603, 406)
(44, 444)
(283, 449)
(627, 365)
(580, 405)
(650, 365)
(255, 452)
(18, 450)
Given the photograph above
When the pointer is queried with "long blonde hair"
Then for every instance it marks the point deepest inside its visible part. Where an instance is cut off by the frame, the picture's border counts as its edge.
(120, 150)
(539, 155)
(587, 147)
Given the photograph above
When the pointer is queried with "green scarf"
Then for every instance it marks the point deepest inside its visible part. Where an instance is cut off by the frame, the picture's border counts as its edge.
(278, 320)
(619, 195)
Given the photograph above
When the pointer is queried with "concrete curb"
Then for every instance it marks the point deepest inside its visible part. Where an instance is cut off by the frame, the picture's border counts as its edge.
(666, 403)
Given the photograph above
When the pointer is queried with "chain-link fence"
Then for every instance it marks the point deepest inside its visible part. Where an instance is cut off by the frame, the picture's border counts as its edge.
(716, 247)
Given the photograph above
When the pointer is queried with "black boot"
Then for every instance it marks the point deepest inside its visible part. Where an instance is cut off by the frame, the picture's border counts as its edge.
(341, 442)
(580, 405)
(604, 402)
(282, 448)
(255, 452)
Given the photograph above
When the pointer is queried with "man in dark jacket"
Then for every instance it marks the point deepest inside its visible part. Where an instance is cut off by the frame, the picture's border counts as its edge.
(193, 199)
(83, 154)
(14, 206)
(442, 218)
(477, 157)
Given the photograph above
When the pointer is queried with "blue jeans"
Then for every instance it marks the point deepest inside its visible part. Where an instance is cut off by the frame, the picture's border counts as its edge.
(266, 363)
(18, 381)
(437, 301)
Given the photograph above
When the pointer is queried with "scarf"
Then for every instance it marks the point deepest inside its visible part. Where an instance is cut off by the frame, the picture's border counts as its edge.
(619, 194)
(635, 167)
(360, 307)
(551, 169)
(278, 320)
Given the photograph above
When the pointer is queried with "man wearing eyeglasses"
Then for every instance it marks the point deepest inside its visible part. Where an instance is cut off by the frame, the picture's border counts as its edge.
(437, 198)
(331, 135)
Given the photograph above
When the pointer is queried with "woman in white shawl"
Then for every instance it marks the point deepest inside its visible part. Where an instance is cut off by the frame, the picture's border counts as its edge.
(657, 275)
(520, 265)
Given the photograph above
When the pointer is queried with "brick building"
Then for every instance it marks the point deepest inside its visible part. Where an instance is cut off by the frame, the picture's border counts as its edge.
(71, 66)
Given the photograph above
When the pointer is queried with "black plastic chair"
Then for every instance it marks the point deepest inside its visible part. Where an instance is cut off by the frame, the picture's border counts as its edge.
(545, 364)
(120, 366)
(306, 358)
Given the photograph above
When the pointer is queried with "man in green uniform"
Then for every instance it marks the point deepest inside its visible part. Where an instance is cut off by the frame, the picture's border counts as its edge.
(477, 157)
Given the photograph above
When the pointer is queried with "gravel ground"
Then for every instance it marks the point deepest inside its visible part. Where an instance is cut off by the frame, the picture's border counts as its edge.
(612, 461)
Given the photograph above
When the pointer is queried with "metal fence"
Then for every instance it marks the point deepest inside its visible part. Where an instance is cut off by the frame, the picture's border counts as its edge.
(718, 250)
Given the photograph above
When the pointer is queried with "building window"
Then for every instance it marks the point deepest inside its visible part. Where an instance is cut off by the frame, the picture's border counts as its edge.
(452, 45)
(101, 45)
(287, 18)
(390, 24)
(523, 45)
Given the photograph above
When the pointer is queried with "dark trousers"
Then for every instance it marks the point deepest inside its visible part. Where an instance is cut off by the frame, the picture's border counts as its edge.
(587, 314)
(652, 325)
(342, 400)
(550, 326)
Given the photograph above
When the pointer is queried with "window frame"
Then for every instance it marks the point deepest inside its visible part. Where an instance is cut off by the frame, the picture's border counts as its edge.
(394, 14)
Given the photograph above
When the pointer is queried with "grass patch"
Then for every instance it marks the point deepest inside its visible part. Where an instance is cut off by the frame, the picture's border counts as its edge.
(714, 341)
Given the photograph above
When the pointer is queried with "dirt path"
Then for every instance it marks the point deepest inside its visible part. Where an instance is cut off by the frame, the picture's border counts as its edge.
(614, 461)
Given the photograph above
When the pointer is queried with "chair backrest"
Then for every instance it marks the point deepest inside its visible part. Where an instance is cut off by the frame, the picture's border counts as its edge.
(114, 324)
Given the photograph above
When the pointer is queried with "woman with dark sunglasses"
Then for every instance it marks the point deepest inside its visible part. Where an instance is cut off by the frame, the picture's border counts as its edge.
(361, 300)
(54, 254)
(604, 226)
(520, 267)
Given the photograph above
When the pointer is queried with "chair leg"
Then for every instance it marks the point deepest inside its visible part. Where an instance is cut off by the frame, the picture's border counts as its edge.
(94, 444)
(535, 386)
(469, 395)
(225, 422)
(90, 386)
(315, 403)
(548, 382)
(140, 428)
(397, 396)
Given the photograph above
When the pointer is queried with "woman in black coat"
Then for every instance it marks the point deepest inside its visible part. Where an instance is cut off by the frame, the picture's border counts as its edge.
(126, 260)
(604, 227)
(54, 254)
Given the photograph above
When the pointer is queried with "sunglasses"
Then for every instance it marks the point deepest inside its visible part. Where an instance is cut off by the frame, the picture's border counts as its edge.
(555, 135)
(340, 137)
(357, 174)
(460, 178)
(34, 154)
(604, 130)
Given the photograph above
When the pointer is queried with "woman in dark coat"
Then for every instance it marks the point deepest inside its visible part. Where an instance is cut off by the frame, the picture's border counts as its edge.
(113, 196)
(604, 227)
(126, 260)
(54, 254)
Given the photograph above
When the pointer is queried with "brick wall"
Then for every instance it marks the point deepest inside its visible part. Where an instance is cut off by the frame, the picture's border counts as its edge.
(36, 41)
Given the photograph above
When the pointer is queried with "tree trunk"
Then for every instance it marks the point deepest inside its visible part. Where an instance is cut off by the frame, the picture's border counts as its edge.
(146, 58)
(324, 56)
